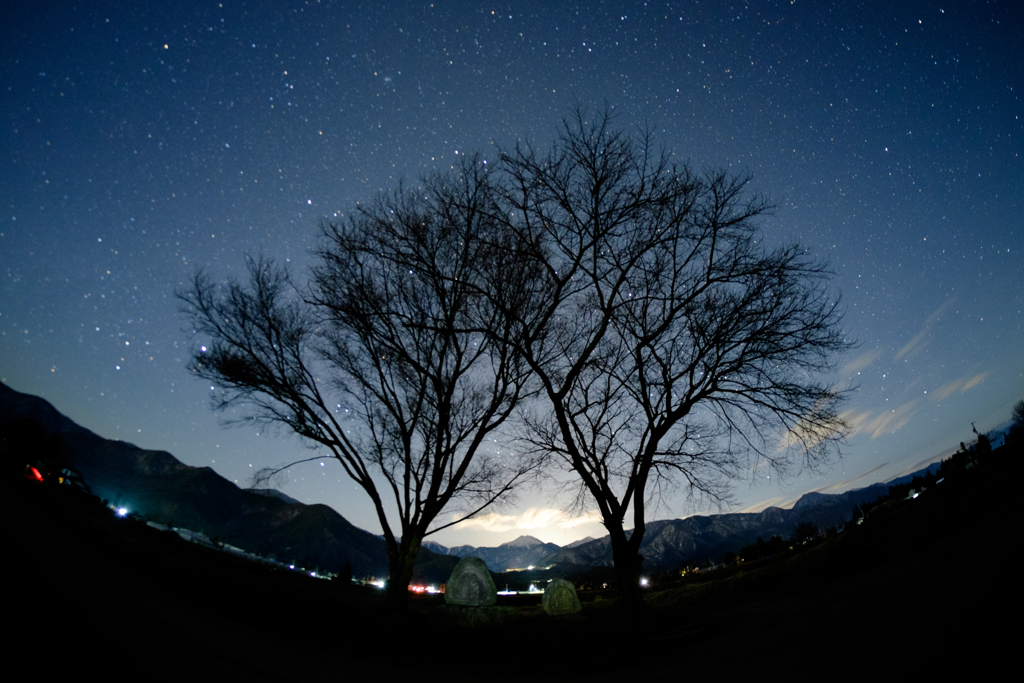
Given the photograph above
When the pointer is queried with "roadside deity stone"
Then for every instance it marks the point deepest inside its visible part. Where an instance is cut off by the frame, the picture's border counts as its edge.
(560, 598)
(470, 584)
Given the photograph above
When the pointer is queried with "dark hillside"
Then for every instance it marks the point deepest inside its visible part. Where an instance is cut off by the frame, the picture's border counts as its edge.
(927, 580)
(922, 583)
(160, 487)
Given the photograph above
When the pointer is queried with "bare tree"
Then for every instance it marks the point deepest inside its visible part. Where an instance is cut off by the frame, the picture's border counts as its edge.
(671, 346)
(1016, 423)
(381, 361)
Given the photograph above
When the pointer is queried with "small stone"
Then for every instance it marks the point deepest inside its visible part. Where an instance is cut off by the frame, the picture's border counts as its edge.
(560, 598)
(471, 584)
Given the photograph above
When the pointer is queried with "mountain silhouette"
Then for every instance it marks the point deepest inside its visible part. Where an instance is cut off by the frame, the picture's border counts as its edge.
(158, 486)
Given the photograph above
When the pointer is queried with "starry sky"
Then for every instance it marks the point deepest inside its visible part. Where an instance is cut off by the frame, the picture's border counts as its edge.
(141, 141)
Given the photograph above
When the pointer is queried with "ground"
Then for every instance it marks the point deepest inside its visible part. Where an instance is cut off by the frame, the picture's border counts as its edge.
(921, 583)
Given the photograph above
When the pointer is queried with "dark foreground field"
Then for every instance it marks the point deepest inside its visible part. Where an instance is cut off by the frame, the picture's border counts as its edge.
(922, 586)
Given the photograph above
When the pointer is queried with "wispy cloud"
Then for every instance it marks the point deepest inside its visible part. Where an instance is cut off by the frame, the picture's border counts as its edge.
(856, 419)
(921, 339)
(779, 501)
(533, 518)
(974, 381)
(962, 384)
(860, 362)
(849, 483)
(914, 346)
(813, 428)
(893, 420)
(862, 422)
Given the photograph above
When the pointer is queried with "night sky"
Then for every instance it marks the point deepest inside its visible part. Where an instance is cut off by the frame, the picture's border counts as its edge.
(141, 141)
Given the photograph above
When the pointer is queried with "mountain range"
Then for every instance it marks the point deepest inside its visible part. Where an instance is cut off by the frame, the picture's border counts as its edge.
(161, 488)
(670, 543)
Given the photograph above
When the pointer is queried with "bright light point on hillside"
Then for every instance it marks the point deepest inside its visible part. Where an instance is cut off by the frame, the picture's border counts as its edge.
(121, 512)
(644, 582)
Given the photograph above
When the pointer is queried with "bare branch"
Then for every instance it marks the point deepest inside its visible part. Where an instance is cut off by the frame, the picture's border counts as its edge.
(274, 477)
(642, 294)
(390, 328)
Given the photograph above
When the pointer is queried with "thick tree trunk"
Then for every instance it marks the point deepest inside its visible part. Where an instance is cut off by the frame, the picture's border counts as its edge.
(628, 564)
(401, 563)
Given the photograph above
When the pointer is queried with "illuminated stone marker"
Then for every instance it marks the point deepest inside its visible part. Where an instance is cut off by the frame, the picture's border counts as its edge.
(560, 598)
(471, 584)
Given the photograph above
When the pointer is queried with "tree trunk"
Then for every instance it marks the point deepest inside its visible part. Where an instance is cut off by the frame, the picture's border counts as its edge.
(628, 563)
(401, 563)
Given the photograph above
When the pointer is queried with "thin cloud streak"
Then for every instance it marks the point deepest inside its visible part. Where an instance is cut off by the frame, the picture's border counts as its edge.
(860, 362)
(921, 339)
(849, 484)
(892, 421)
(533, 518)
(778, 501)
(961, 384)
(862, 422)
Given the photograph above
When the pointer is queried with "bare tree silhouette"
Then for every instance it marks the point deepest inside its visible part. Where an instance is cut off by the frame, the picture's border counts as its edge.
(380, 360)
(671, 345)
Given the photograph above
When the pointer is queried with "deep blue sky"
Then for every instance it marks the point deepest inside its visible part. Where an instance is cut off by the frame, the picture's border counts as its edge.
(143, 140)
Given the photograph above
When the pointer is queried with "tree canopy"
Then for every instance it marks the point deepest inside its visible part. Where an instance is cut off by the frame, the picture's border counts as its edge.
(622, 309)
(671, 344)
(380, 359)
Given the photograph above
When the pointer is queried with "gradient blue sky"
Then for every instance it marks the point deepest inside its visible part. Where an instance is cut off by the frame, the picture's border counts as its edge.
(143, 140)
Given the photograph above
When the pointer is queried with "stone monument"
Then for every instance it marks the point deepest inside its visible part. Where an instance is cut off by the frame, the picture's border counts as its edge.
(471, 584)
(560, 598)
